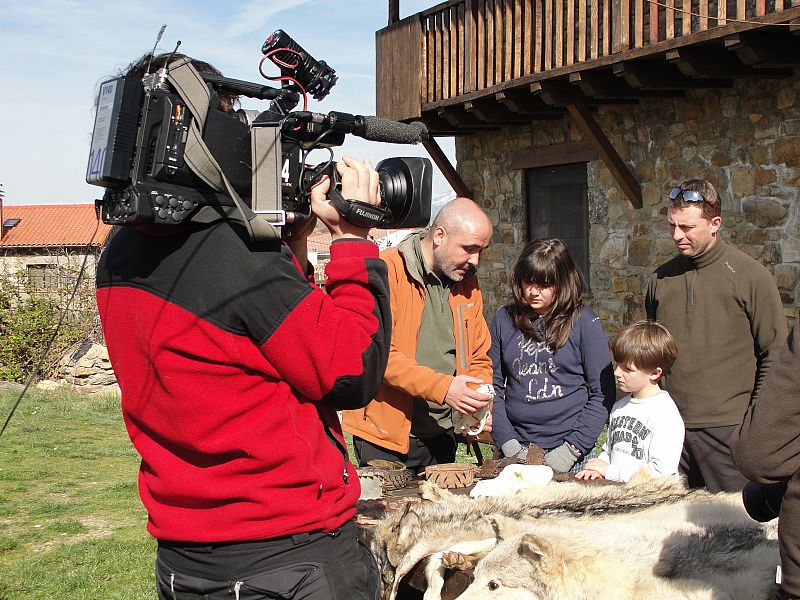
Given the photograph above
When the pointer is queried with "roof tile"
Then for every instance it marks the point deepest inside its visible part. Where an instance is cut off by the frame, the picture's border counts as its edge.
(44, 225)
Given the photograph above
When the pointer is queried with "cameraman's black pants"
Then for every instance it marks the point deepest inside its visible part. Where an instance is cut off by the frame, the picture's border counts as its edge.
(307, 566)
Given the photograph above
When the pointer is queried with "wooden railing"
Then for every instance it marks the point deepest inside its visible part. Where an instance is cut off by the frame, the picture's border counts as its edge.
(463, 46)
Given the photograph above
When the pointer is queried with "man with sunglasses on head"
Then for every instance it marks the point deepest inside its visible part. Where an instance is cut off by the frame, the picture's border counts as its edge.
(726, 314)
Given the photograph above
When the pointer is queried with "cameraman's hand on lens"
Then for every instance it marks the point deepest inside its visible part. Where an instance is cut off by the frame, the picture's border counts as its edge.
(359, 182)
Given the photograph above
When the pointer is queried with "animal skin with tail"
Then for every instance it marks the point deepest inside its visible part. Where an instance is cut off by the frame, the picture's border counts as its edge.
(559, 560)
(454, 529)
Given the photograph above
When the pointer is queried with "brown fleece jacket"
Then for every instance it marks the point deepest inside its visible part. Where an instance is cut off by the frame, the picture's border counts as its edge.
(766, 449)
(726, 314)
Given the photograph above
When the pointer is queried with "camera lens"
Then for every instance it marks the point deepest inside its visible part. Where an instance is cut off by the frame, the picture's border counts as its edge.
(406, 191)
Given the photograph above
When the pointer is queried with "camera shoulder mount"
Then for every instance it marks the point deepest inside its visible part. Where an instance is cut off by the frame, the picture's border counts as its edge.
(359, 213)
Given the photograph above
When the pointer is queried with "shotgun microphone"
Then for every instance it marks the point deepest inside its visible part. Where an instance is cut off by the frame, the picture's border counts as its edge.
(375, 129)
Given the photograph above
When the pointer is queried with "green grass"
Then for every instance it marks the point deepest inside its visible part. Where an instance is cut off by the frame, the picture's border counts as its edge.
(71, 524)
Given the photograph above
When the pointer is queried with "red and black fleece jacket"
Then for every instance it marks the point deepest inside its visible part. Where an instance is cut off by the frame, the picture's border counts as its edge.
(232, 366)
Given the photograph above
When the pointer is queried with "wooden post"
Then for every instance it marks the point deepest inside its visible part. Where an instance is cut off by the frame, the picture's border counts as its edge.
(394, 11)
(622, 174)
(638, 20)
(447, 169)
(470, 48)
(621, 26)
(399, 82)
(670, 19)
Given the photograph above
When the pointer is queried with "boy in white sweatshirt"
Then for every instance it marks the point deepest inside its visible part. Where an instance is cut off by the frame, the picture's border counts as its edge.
(645, 430)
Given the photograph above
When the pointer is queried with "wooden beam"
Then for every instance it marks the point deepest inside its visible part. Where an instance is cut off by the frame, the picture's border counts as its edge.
(655, 74)
(557, 93)
(489, 111)
(447, 169)
(768, 50)
(555, 154)
(460, 118)
(524, 103)
(709, 62)
(622, 174)
(603, 84)
(394, 11)
(439, 126)
(560, 93)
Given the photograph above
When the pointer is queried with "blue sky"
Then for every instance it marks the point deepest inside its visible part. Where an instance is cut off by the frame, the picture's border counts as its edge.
(56, 52)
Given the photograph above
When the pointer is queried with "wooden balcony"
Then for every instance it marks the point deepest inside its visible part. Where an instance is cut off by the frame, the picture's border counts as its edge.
(466, 65)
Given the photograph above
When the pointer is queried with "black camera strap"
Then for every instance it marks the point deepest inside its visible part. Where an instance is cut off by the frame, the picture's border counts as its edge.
(193, 90)
(359, 213)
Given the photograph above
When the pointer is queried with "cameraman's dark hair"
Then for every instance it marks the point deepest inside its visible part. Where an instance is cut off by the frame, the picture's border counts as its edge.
(646, 345)
(138, 68)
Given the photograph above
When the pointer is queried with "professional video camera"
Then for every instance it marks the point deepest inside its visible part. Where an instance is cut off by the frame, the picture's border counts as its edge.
(167, 155)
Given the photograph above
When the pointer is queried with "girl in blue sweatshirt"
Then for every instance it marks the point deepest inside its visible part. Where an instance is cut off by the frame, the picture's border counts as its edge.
(553, 379)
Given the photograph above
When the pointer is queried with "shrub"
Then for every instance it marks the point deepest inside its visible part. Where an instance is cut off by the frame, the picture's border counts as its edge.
(29, 317)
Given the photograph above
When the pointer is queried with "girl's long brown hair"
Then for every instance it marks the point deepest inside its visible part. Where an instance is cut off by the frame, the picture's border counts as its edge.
(547, 262)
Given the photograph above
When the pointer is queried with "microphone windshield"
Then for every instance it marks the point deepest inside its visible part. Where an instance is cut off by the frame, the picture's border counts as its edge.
(378, 129)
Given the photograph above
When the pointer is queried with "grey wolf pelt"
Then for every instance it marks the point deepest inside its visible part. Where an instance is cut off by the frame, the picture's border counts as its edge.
(435, 529)
(555, 560)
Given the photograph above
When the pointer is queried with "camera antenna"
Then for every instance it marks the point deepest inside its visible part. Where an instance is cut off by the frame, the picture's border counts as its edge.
(153, 53)
(158, 80)
(178, 45)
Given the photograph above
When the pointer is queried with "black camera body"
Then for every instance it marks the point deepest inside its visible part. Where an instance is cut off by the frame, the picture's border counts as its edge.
(141, 160)
(142, 127)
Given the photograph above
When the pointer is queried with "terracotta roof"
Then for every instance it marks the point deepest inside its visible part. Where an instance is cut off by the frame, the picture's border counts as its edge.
(320, 241)
(58, 225)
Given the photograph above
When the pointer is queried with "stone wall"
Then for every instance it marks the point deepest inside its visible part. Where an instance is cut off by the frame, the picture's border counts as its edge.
(14, 261)
(85, 369)
(745, 140)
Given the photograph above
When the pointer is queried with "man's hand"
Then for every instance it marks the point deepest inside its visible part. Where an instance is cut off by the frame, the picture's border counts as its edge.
(359, 182)
(463, 398)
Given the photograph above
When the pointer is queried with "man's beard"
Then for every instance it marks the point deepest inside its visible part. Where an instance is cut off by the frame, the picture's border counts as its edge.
(449, 269)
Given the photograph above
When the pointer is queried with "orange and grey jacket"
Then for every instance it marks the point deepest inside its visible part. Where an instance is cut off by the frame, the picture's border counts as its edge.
(386, 420)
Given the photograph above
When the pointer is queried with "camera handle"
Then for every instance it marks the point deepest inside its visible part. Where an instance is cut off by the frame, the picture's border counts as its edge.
(359, 213)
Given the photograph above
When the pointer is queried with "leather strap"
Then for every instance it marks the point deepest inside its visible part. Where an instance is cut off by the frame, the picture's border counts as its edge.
(189, 85)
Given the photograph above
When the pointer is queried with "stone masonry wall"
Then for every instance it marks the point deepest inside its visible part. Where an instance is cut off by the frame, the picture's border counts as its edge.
(745, 140)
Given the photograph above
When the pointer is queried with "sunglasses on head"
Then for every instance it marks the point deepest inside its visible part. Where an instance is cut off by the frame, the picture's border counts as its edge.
(687, 195)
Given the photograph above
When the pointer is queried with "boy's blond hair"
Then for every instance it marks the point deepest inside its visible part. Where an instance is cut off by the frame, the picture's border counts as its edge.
(646, 345)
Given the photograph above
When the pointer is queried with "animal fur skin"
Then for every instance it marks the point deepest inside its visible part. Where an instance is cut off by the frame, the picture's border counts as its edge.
(555, 560)
(660, 506)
